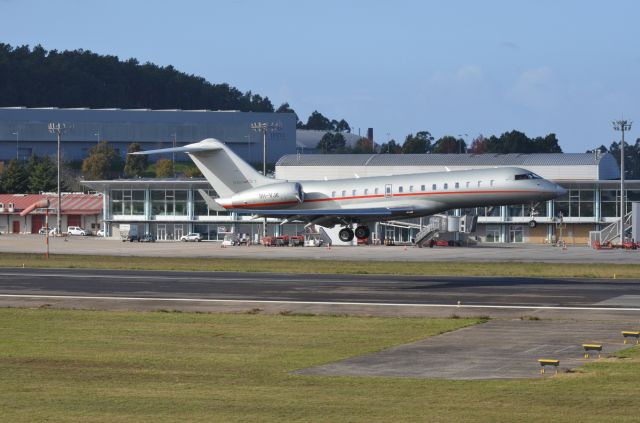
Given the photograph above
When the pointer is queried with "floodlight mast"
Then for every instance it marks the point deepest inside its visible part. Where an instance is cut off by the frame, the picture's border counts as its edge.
(59, 129)
(622, 126)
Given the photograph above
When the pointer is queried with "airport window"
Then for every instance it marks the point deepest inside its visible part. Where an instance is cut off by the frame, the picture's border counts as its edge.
(127, 202)
(200, 207)
(457, 185)
(434, 187)
(492, 233)
(445, 186)
(169, 202)
(516, 233)
(423, 188)
(344, 193)
(400, 188)
(353, 193)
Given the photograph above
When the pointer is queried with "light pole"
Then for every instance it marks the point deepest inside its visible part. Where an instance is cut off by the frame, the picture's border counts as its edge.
(59, 129)
(97, 134)
(460, 144)
(264, 127)
(17, 134)
(622, 126)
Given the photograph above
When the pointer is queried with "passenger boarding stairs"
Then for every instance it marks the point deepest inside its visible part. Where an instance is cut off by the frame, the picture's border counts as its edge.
(610, 233)
(436, 225)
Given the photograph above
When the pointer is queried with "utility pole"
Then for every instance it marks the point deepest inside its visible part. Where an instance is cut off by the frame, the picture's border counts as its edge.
(622, 126)
(59, 129)
(264, 127)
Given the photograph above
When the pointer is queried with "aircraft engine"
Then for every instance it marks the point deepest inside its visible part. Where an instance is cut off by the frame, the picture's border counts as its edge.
(275, 196)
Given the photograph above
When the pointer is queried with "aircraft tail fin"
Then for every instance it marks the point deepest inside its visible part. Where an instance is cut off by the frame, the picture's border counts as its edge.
(225, 170)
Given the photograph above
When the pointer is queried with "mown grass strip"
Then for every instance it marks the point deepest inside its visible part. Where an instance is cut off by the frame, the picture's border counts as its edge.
(550, 270)
(91, 366)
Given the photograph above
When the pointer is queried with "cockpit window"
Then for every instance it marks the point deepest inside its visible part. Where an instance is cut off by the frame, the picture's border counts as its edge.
(527, 176)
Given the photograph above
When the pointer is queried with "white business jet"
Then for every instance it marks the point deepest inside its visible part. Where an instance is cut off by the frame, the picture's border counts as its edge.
(357, 201)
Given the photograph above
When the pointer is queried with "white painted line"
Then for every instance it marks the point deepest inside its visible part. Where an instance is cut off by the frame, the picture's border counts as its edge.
(213, 300)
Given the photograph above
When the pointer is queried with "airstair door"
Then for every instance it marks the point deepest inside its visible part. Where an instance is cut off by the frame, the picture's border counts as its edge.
(388, 192)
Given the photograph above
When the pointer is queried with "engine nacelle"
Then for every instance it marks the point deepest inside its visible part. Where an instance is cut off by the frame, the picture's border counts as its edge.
(274, 196)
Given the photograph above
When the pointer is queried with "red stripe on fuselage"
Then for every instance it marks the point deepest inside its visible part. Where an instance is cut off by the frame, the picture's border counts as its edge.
(358, 197)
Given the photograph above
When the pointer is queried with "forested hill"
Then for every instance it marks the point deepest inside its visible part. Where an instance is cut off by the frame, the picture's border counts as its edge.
(40, 78)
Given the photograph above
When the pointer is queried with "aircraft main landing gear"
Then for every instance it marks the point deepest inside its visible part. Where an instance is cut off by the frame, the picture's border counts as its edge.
(345, 234)
(362, 232)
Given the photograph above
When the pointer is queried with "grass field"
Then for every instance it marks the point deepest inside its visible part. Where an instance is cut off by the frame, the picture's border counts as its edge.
(555, 270)
(90, 366)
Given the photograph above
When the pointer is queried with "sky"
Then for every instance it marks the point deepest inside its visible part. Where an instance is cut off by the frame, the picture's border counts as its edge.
(448, 67)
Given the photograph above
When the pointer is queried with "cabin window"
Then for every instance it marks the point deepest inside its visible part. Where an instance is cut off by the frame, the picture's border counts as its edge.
(479, 183)
(457, 185)
(434, 187)
(491, 183)
(468, 183)
(366, 191)
(376, 190)
(400, 188)
(410, 188)
(353, 193)
(344, 193)
(445, 186)
(333, 194)
(423, 188)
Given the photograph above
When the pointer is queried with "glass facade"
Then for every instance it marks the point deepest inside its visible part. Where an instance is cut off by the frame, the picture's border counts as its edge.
(169, 202)
(127, 202)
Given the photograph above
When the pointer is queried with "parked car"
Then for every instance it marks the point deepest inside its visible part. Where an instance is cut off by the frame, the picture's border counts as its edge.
(100, 232)
(147, 238)
(76, 230)
(194, 237)
(130, 238)
(52, 231)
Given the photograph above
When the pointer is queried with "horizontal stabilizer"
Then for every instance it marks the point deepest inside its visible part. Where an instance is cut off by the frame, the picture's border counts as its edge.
(213, 205)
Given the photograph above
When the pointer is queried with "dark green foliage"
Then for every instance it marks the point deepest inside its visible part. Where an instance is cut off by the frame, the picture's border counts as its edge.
(102, 158)
(80, 78)
(391, 147)
(318, 121)
(42, 174)
(419, 144)
(332, 142)
(363, 145)
(285, 108)
(14, 178)
(515, 142)
(134, 165)
(450, 145)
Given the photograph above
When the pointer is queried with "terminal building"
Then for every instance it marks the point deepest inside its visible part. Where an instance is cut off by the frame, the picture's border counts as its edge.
(24, 131)
(169, 208)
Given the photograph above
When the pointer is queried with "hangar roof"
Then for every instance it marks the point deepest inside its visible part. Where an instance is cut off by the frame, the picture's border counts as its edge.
(569, 166)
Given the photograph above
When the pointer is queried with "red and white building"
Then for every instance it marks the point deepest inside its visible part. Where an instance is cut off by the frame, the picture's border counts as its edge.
(84, 210)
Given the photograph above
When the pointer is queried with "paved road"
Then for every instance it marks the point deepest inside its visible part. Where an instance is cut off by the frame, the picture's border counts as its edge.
(433, 290)
(481, 253)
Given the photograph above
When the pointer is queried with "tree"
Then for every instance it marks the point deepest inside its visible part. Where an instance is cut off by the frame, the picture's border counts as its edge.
(391, 147)
(285, 108)
(342, 126)
(135, 165)
(449, 145)
(319, 122)
(332, 142)
(43, 175)
(101, 159)
(363, 145)
(419, 144)
(478, 145)
(164, 168)
(14, 178)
